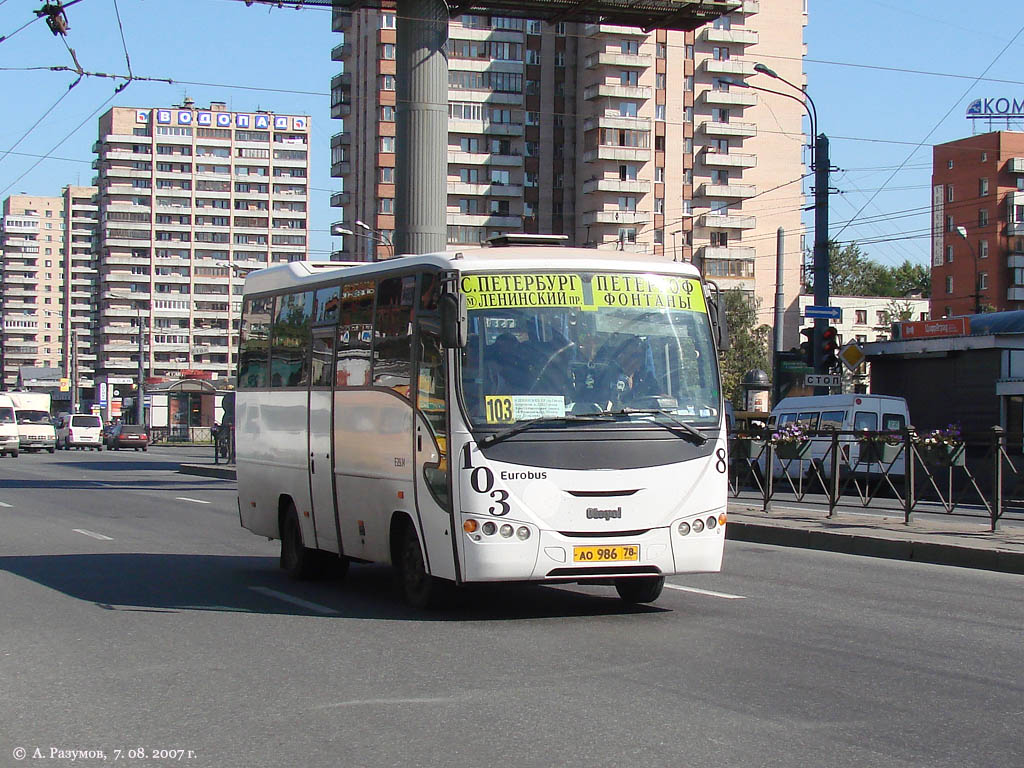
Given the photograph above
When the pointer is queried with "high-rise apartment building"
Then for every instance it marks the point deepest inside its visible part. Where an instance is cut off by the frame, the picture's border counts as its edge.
(620, 139)
(191, 199)
(47, 283)
(978, 224)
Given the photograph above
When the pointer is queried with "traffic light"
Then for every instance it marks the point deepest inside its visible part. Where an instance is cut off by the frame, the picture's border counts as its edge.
(829, 347)
(807, 346)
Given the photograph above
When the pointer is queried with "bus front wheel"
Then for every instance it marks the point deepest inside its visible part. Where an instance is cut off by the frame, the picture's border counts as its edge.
(419, 588)
(297, 560)
(640, 589)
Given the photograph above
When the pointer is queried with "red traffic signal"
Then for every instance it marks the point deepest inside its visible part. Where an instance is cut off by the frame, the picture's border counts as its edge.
(830, 341)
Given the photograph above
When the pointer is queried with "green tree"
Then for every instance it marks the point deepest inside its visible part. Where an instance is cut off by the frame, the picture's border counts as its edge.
(852, 273)
(750, 344)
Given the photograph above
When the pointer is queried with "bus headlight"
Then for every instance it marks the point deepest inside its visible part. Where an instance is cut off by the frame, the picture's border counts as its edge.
(523, 532)
(489, 528)
(698, 525)
(684, 528)
(712, 522)
(505, 530)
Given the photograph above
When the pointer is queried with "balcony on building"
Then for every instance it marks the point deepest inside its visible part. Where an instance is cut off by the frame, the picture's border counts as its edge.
(736, 67)
(341, 52)
(615, 217)
(485, 190)
(591, 30)
(716, 252)
(749, 7)
(484, 220)
(339, 199)
(340, 19)
(617, 121)
(485, 127)
(729, 36)
(617, 59)
(712, 158)
(1015, 165)
(631, 186)
(607, 152)
(733, 98)
(727, 190)
(484, 158)
(743, 130)
(618, 91)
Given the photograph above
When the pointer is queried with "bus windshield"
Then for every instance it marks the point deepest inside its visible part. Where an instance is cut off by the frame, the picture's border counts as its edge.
(549, 345)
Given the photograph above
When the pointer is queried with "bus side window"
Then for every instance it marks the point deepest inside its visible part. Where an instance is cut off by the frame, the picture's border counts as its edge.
(290, 340)
(255, 343)
(893, 422)
(808, 420)
(832, 420)
(786, 418)
(392, 352)
(865, 420)
(355, 334)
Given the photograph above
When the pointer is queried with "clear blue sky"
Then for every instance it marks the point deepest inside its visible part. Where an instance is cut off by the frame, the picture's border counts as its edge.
(875, 117)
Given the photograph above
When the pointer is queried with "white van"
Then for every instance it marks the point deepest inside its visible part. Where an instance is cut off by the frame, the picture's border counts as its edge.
(9, 438)
(79, 430)
(842, 413)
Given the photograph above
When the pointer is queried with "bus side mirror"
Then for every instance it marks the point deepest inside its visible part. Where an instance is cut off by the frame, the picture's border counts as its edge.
(454, 322)
(719, 321)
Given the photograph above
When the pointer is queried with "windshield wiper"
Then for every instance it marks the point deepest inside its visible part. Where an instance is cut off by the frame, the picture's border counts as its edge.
(693, 434)
(522, 426)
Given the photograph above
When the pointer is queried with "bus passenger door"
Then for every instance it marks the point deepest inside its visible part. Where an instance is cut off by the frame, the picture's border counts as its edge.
(321, 429)
(433, 502)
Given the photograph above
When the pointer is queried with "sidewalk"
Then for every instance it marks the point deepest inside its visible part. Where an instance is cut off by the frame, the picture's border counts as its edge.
(959, 541)
(954, 541)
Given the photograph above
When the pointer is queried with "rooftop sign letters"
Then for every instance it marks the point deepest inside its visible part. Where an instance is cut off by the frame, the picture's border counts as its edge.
(260, 121)
(1002, 107)
(931, 329)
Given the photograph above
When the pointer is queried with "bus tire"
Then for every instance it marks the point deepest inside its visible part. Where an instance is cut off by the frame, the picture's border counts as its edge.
(419, 588)
(640, 589)
(298, 561)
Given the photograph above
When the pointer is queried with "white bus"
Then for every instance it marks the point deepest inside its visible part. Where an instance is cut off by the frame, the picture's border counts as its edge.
(514, 413)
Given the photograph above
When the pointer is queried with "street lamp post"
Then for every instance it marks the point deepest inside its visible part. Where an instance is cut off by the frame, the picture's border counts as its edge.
(820, 164)
(337, 229)
(962, 231)
(140, 408)
(378, 236)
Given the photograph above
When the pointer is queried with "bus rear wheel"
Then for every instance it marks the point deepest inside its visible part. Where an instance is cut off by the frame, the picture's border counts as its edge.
(297, 560)
(640, 589)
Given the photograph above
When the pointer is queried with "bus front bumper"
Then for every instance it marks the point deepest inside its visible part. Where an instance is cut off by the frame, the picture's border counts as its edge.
(546, 555)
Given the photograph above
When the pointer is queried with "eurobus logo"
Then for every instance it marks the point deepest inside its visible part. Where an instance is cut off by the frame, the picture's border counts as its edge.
(981, 109)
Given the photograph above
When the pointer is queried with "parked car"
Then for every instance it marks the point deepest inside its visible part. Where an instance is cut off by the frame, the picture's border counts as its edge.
(127, 436)
(79, 430)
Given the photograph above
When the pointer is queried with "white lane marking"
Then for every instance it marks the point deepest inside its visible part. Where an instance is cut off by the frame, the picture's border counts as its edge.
(4, 505)
(708, 592)
(386, 702)
(295, 600)
(99, 536)
(194, 501)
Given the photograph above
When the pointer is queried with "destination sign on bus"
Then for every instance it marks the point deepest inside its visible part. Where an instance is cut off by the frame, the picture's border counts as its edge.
(501, 291)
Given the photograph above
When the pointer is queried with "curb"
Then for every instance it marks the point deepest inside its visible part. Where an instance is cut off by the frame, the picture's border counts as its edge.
(874, 546)
(208, 470)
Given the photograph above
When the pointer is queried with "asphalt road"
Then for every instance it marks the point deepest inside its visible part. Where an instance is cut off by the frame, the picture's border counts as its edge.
(137, 614)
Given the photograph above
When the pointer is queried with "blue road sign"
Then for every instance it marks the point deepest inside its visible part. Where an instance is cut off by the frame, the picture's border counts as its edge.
(829, 313)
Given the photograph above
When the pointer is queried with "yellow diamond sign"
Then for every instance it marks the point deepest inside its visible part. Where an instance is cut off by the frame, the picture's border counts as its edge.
(852, 356)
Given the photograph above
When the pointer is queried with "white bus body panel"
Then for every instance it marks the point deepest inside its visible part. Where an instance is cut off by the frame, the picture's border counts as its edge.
(9, 435)
(539, 498)
(272, 461)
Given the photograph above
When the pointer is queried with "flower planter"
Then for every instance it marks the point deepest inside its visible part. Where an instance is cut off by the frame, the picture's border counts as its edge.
(749, 448)
(787, 451)
(875, 451)
(942, 454)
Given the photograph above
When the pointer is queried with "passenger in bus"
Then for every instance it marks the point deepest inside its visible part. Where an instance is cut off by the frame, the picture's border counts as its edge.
(507, 367)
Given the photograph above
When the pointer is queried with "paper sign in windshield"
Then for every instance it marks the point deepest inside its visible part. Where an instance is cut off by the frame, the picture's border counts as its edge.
(648, 292)
(501, 291)
(507, 409)
(664, 292)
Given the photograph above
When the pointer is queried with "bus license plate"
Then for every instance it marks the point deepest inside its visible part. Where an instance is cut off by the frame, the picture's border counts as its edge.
(615, 554)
